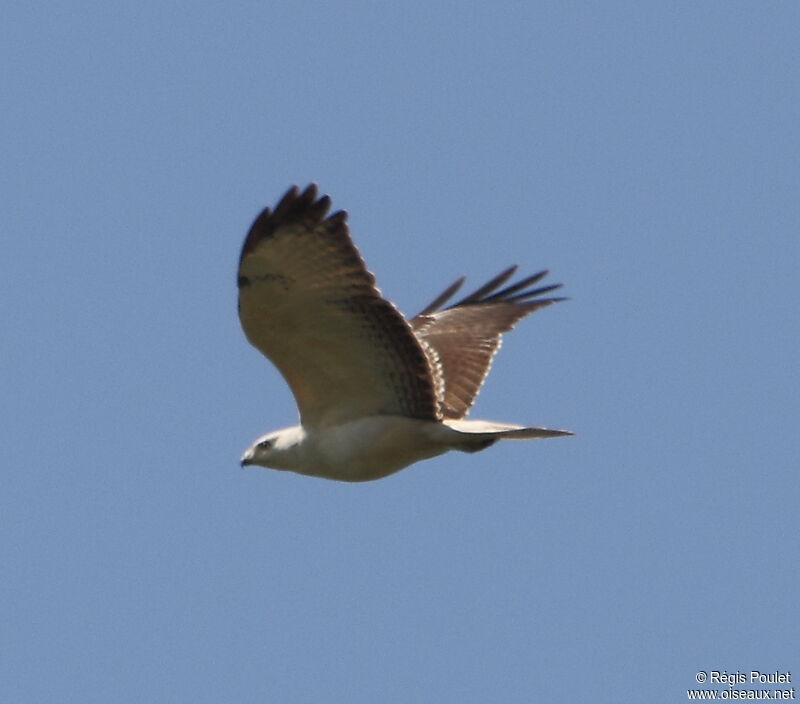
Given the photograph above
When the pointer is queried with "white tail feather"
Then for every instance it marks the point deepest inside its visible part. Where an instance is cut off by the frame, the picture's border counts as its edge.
(492, 430)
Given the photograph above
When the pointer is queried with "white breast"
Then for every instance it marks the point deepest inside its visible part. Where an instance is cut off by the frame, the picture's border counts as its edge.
(368, 448)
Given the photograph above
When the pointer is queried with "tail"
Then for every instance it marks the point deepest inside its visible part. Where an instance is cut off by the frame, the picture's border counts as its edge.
(480, 434)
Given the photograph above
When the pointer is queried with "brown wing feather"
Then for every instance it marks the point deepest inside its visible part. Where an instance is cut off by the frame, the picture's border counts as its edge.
(307, 302)
(466, 334)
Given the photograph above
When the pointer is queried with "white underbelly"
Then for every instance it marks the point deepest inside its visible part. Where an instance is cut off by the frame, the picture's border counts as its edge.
(370, 448)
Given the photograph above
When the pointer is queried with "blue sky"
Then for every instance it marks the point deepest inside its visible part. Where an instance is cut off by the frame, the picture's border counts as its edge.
(646, 153)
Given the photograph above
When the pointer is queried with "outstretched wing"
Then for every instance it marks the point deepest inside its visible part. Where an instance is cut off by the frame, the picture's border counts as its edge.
(307, 301)
(466, 334)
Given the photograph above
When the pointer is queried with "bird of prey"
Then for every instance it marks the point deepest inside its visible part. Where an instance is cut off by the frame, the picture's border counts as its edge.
(375, 392)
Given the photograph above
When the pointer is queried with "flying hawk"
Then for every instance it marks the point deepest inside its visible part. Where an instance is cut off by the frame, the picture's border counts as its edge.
(376, 392)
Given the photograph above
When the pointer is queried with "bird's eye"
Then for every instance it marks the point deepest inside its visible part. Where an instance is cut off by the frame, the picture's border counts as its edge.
(265, 444)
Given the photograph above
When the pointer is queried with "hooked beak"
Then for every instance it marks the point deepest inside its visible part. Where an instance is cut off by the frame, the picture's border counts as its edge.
(247, 459)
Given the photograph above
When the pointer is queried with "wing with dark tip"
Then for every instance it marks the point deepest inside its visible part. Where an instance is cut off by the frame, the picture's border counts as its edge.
(465, 335)
(307, 302)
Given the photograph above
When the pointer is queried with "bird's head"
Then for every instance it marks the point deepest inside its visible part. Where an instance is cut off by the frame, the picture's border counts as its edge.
(277, 450)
